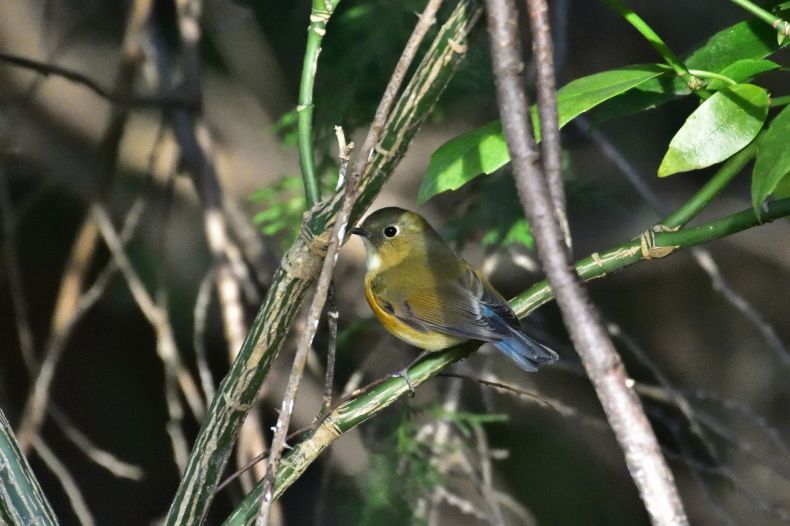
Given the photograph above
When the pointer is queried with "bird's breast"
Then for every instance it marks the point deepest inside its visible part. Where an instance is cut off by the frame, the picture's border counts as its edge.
(424, 339)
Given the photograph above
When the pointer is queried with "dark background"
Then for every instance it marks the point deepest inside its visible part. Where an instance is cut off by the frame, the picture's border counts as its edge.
(563, 470)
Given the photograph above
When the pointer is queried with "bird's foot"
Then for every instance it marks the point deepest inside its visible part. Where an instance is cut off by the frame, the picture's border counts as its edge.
(404, 374)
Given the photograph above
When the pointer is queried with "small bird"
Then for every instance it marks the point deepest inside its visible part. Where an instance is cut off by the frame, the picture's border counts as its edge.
(428, 296)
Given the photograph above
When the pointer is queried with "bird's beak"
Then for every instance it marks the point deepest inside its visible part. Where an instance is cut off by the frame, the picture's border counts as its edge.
(360, 232)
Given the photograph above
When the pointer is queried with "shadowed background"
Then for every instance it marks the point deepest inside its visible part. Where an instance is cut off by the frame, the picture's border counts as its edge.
(563, 470)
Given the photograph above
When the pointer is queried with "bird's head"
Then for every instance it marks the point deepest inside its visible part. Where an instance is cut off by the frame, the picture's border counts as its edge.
(394, 234)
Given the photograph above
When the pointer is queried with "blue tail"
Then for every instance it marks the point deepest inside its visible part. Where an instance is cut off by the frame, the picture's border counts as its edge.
(526, 352)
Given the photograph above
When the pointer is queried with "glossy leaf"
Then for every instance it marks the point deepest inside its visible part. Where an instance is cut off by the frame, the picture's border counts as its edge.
(463, 158)
(743, 71)
(484, 150)
(753, 39)
(718, 128)
(782, 190)
(772, 166)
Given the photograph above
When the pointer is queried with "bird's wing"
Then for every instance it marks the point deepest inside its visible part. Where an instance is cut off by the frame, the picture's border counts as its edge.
(468, 307)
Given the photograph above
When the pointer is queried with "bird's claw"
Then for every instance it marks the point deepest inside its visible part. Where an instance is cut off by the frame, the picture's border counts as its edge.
(404, 374)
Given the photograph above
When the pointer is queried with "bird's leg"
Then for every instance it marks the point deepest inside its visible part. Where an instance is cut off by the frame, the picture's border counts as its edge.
(404, 373)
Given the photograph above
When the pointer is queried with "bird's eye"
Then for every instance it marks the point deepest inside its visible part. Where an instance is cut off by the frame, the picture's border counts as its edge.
(391, 231)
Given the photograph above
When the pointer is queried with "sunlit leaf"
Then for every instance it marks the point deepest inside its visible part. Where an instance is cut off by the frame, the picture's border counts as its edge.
(484, 150)
(718, 128)
(753, 39)
(463, 158)
(743, 71)
(772, 165)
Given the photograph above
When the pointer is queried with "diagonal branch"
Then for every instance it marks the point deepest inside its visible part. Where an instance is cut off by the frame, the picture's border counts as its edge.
(550, 148)
(118, 98)
(301, 265)
(363, 404)
(306, 339)
(624, 411)
(426, 21)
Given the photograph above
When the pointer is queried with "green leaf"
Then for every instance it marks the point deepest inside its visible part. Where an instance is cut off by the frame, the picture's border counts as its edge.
(753, 39)
(484, 150)
(772, 165)
(463, 158)
(782, 190)
(743, 71)
(585, 93)
(722, 125)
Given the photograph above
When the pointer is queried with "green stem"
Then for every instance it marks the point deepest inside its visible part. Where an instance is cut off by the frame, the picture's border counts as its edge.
(360, 409)
(658, 44)
(712, 188)
(701, 73)
(21, 498)
(319, 16)
(782, 26)
(780, 101)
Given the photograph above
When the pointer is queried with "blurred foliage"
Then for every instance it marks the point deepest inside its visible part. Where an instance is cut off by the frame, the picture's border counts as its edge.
(492, 211)
(400, 473)
(405, 467)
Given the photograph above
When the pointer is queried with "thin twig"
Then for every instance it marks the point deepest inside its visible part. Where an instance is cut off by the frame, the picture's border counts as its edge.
(676, 397)
(679, 401)
(557, 406)
(113, 464)
(13, 271)
(643, 456)
(742, 410)
(543, 51)
(70, 305)
(63, 325)
(685, 450)
(175, 419)
(426, 20)
(70, 487)
(442, 430)
(200, 315)
(325, 278)
(494, 515)
(332, 316)
(232, 276)
(173, 100)
(157, 317)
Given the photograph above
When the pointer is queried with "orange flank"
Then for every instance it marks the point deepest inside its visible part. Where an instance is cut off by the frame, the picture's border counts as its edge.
(428, 340)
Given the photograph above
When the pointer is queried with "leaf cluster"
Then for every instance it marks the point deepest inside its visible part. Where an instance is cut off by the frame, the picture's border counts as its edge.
(733, 112)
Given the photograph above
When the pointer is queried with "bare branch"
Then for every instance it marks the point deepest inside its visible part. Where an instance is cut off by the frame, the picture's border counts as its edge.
(426, 20)
(70, 306)
(337, 236)
(101, 457)
(174, 100)
(543, 50)
(332, 316)
(199, 319)
(70, 487)
(643, 456)
(157, 317)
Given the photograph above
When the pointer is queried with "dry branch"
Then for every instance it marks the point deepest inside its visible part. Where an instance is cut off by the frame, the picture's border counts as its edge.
(643, 455)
